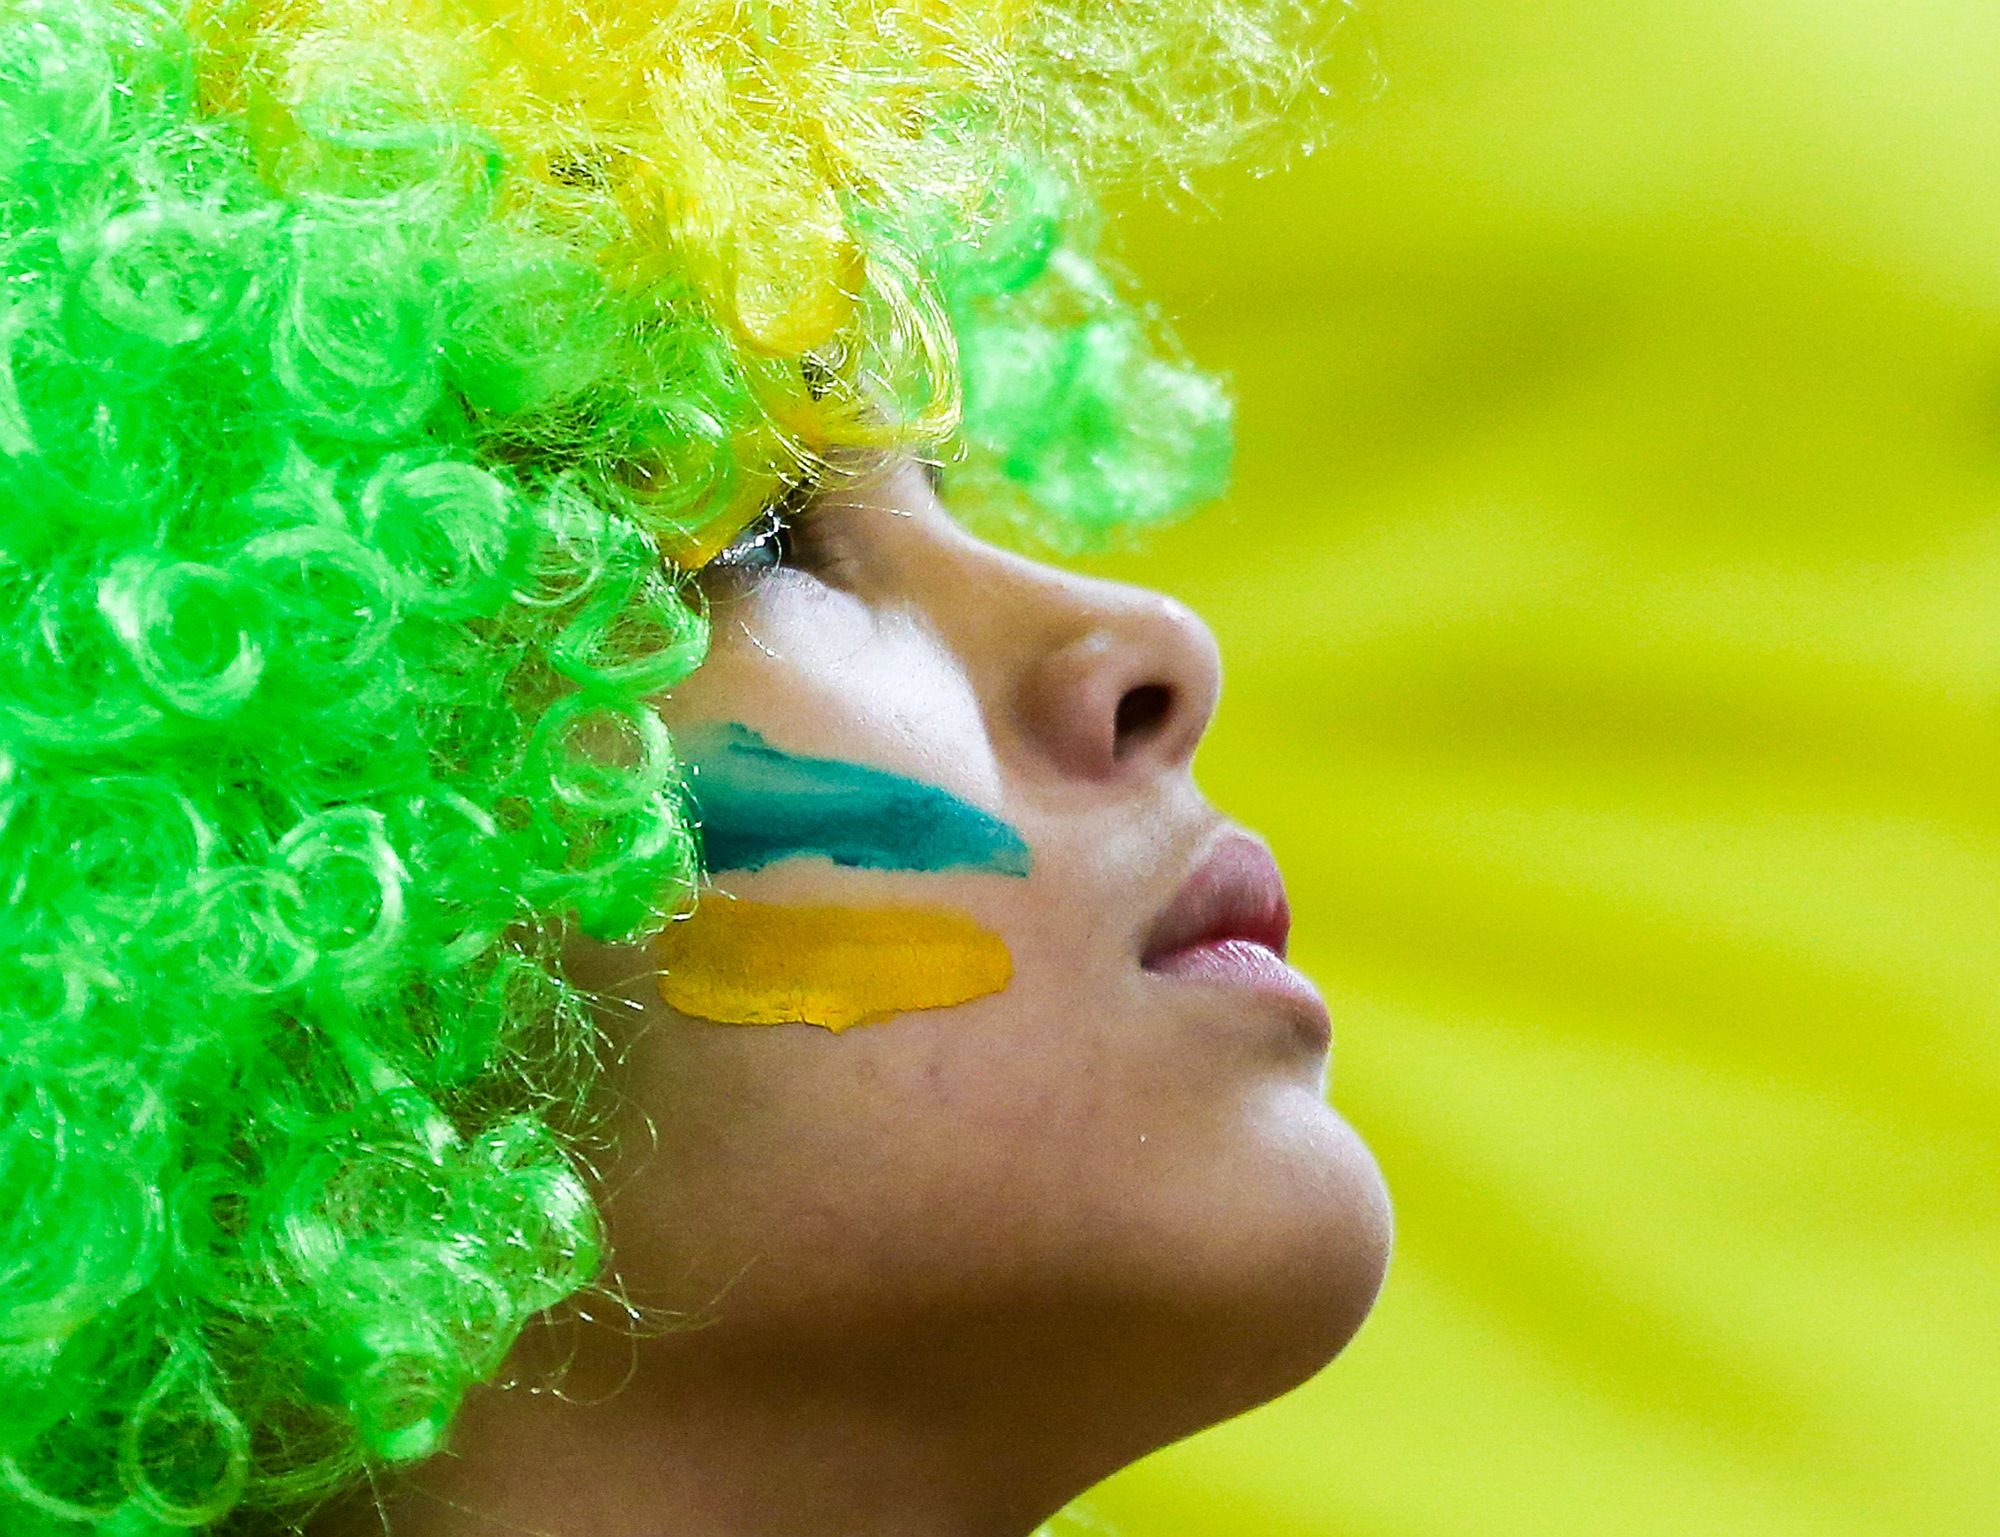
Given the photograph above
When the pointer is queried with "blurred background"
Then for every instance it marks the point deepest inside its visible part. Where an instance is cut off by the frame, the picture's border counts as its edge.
(1611, 605)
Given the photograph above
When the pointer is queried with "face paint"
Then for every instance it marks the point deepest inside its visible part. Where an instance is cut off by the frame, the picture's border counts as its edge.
(746, 963)
(756, 805)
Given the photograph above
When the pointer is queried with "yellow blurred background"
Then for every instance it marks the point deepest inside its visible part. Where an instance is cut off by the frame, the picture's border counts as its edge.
(1611, 606)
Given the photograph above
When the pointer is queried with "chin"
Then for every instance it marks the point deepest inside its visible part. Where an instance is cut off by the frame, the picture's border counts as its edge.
(1304, 1278)
(1256, 1271)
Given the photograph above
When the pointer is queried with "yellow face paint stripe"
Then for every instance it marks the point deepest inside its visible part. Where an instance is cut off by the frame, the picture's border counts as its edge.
(750, 963)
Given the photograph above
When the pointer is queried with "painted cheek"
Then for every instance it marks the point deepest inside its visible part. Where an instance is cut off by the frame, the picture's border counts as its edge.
(748, 963)
(756, 805)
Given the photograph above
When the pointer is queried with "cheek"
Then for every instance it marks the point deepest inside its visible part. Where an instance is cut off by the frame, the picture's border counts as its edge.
(800, 1171)
(817, 667)
(837, 760)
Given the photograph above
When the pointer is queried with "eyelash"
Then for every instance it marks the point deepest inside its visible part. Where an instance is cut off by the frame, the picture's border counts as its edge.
(772, 541)
(783, 536)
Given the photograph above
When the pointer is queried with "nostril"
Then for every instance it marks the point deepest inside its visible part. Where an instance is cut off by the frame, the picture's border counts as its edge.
(1139, 717)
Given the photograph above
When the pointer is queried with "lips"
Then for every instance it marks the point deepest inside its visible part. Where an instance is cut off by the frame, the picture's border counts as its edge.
(1236, 895)
(1227, 928)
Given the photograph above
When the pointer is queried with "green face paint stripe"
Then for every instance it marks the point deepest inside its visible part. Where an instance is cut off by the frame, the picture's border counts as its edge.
(756, 804)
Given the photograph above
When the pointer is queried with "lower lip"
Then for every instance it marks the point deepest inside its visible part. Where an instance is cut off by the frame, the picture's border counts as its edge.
(1246, 964)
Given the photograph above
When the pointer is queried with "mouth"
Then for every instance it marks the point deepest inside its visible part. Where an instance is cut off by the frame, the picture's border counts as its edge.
(1236, 894)
(1229, 925)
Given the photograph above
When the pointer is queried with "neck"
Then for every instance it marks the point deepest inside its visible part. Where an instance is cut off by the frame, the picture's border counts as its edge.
(707, 1443)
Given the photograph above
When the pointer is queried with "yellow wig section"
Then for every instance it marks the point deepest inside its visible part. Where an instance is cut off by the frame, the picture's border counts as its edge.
(732, 138)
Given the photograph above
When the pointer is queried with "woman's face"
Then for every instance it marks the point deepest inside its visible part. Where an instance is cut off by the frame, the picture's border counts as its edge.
(1120, 1162)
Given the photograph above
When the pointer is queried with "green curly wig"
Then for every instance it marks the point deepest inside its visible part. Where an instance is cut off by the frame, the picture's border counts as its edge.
(371, 374)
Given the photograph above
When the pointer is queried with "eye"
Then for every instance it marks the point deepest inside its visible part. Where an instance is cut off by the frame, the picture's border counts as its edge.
(764, 546)
(771, 541)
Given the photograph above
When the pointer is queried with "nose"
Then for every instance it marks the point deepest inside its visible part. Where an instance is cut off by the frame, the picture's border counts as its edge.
(1117, 683)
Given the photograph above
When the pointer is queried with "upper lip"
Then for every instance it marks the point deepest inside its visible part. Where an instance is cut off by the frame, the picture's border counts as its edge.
(1235, 893)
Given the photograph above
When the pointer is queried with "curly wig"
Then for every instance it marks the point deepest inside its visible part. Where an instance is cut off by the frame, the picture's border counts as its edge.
(372, 372)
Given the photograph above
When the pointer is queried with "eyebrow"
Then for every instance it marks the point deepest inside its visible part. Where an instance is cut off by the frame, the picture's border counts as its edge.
(798, 492)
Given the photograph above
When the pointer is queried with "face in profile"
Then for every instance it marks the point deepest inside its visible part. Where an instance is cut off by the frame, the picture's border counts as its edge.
(967, 1136)
(1066, 1140)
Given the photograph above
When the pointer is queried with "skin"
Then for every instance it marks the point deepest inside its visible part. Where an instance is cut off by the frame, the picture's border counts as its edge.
(940, 1274)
